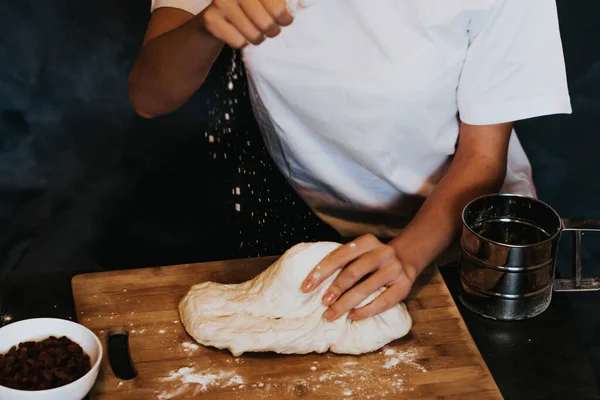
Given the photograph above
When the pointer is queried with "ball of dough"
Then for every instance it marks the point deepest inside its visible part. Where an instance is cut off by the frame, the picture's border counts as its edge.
(271, 313)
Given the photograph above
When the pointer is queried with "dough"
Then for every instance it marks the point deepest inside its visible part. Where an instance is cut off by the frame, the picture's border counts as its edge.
(271, 313)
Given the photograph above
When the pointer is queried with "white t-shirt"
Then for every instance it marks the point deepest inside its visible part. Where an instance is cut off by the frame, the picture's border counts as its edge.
(359, 100)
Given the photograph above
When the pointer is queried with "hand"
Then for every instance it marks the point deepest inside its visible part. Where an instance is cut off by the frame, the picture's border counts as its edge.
(365, 255)
(239, 22)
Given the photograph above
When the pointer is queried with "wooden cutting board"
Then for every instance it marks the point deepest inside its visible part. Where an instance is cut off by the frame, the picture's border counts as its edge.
(438, 359)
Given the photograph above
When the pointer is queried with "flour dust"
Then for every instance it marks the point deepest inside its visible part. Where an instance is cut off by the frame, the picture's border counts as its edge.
(190, 382)
(358, 378)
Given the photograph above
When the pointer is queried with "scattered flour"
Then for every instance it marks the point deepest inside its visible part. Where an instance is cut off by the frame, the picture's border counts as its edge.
(363, 379)
(191, 382)
(357, 378)
(189, 347)
(393, 358)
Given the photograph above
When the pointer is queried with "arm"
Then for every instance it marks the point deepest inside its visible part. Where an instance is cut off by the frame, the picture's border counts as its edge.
(513, 70)
(180, 48)
(478, 168)
(174, 61)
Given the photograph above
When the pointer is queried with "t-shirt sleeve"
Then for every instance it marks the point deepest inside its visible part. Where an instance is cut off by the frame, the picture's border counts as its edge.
(192, 6)
(514, 67)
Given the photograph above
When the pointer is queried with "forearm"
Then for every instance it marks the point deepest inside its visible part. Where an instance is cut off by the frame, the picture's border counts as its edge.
(439, 220)
(171, 67)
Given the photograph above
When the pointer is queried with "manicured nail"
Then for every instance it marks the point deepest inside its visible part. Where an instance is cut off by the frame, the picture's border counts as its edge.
(328, 298)
(307, 285)
(328, 314)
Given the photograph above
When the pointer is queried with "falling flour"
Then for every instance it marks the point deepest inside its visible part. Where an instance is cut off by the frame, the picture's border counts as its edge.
(6, 318)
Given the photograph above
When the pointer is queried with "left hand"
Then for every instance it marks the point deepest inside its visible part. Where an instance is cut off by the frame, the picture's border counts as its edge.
(365, 255)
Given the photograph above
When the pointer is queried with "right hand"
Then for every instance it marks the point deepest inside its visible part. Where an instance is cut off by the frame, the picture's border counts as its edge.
(240, 22)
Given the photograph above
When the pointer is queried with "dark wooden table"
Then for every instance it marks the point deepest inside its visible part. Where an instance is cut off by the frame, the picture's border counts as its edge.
(541, 358)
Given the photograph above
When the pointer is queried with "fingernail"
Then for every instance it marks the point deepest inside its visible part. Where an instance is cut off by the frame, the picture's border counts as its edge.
(307, 285)
(328, 314)
(328, 298)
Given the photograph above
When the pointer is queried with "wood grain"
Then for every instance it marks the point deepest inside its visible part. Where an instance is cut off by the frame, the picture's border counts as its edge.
(437, 360)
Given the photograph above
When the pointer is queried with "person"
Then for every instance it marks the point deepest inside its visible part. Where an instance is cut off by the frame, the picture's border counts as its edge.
(387, 116)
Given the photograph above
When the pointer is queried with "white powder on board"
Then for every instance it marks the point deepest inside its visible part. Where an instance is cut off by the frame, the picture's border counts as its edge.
(189, 347)
(357, 378)
(170, 395)
(236, 380)
(191, 382)
(394, 357)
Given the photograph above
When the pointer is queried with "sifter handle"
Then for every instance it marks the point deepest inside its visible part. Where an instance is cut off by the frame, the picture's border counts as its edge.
(581, 224)
(578, 283)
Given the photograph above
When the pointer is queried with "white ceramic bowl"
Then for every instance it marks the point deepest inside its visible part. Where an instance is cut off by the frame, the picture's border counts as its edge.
(39, 329)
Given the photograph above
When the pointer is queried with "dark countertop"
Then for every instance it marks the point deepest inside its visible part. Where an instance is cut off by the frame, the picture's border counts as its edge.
(541, 358)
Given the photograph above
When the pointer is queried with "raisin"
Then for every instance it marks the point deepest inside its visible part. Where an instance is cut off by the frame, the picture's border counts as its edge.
(50, 363)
